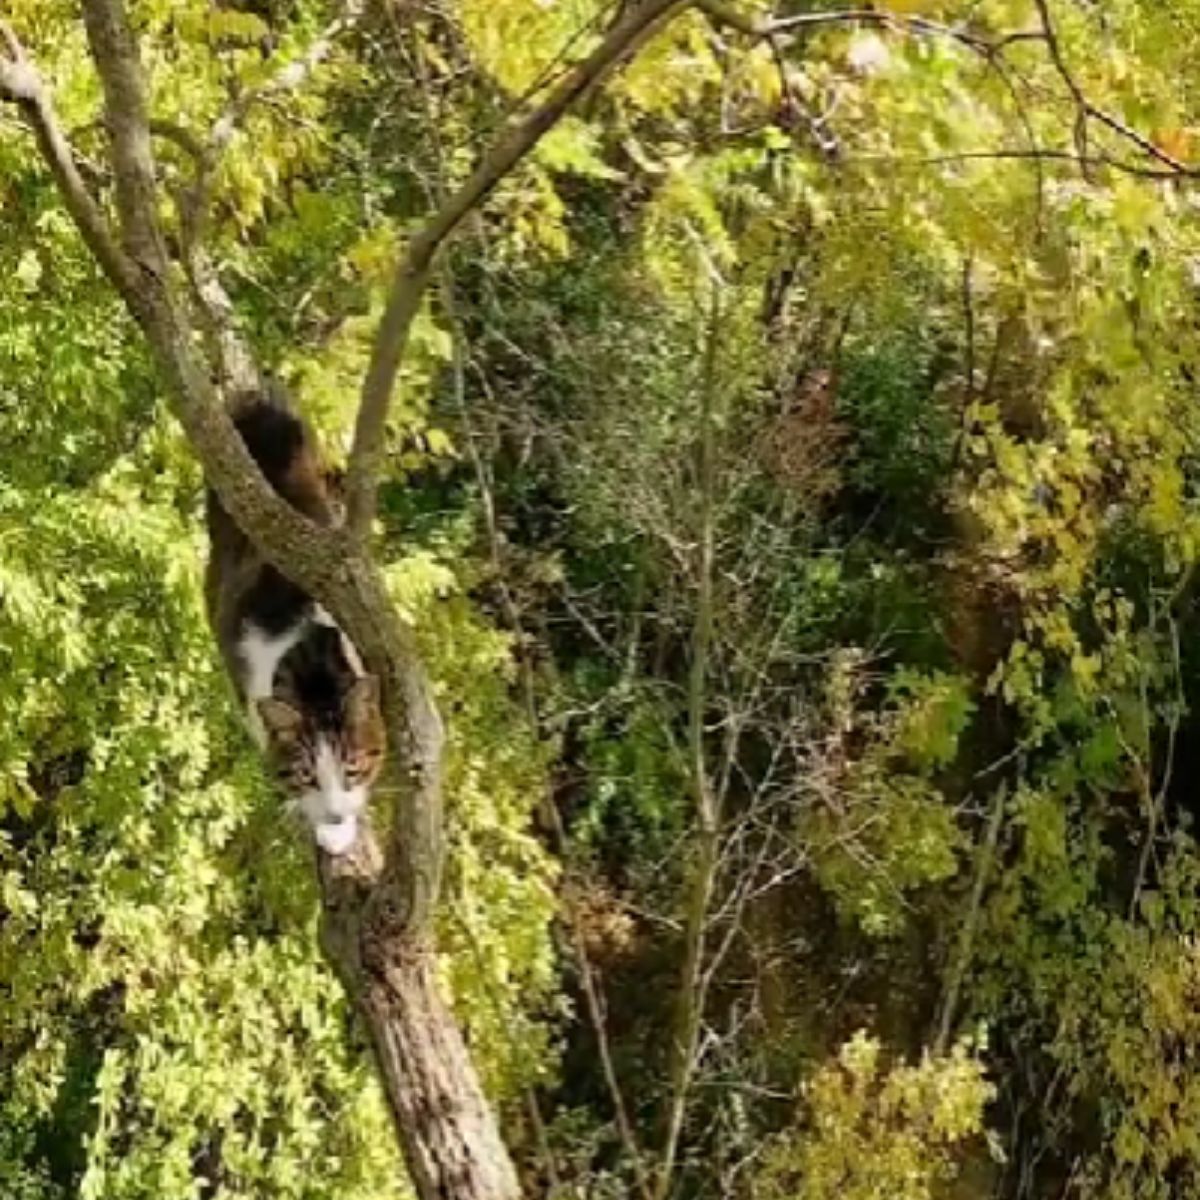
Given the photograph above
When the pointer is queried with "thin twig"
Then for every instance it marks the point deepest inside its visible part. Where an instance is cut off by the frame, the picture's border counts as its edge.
(1044, 154)
(968, 300)
(1155, 803)
(1089, 110)
(983, 867)
(758, 27)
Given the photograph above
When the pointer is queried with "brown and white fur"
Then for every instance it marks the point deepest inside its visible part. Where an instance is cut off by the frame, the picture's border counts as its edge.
(309, 703)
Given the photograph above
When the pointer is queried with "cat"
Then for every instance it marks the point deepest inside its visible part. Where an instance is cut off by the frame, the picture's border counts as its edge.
(310, 705)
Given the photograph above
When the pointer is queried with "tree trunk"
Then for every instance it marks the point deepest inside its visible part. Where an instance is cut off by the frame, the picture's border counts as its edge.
(446, 1128)
(448, 1133)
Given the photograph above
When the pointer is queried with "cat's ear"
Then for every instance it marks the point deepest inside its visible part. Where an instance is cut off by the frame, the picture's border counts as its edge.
(362, 700)
(280, 720)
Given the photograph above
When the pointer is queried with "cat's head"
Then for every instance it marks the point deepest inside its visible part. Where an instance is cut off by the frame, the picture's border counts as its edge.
(326, 765)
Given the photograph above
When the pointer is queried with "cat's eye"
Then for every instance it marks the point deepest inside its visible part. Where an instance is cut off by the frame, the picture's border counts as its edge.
(296, 777)
(357, 769)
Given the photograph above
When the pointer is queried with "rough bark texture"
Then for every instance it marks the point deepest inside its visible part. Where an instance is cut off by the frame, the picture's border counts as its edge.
(448, 1134)
(450, 1140)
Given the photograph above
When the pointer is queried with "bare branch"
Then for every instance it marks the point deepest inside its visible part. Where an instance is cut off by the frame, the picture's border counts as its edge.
(985, 858)
(770, 30)
(757, 27)
(594, 999)
(239, 370)
(1032, 155)
(19, 80)
(868, 16)
(1088, 110)
(115, 53)
(412, 274)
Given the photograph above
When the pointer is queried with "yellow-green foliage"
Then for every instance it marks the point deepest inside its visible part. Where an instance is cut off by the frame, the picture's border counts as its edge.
(1109, 1000)
(169, 1023)
(159, 903)
(1019, 341)
(869, 1129)
(164, 1003)
(880, 826)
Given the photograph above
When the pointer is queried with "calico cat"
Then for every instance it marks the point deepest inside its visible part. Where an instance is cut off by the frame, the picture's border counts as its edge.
(309, 702)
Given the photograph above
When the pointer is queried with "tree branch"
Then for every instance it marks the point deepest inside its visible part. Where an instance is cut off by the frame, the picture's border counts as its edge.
(142, 284)
(1088, 110)
(305, 551)
(412, 274)
(238, 368)
(115, 54)
(315, 557)
(185, 139)
(757, 27)
(1035, 155)
(984, 860)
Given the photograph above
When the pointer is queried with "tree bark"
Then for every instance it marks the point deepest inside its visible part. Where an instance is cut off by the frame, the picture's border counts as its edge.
(450, 1140)
(445, 1127)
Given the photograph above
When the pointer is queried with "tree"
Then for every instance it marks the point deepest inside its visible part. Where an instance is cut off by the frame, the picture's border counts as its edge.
(847, 591)
(378, 908)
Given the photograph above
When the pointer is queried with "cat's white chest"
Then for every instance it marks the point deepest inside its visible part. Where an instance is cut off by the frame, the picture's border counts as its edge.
(261, 653)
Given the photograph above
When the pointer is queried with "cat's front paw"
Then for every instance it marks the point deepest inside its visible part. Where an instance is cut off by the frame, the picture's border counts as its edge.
(336, 837)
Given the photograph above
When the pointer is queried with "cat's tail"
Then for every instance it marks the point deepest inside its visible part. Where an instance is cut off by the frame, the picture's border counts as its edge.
(284, 448)
(270, 391)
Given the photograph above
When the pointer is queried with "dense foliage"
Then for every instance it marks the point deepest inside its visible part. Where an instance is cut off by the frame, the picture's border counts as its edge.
(796, 486)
